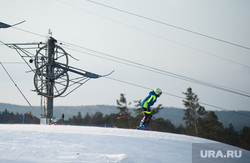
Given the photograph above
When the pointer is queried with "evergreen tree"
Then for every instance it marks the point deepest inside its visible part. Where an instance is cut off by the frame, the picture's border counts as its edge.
(193, 110)
(245, 138)
(76, 119)
(122, 103)
(210, 127)
(97, 119)
(79, 118)
(6, 111)
(180, 129)
(163, 125)
(231, 136)
(87, 119)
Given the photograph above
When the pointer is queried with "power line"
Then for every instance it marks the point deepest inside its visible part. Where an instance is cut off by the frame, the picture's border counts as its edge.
(176, 96)
(142, 31)
(174, 26)
(29, 32)
(145, 32)
(153, 69)
(159, 71)
(137, 85)
(12, 62)
(18, 89)
(153, 34)
(121, 81)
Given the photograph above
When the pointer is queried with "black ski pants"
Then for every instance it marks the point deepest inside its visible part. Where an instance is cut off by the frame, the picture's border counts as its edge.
(147, 116)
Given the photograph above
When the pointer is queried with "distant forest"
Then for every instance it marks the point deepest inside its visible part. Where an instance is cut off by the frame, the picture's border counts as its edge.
(198, 121)
(11, 118)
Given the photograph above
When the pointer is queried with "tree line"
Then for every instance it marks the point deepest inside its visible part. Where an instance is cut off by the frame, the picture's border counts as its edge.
(11, 118)
(198, 121)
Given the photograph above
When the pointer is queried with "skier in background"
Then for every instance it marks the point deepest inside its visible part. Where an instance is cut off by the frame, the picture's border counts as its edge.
(146, 104)
(53, 121)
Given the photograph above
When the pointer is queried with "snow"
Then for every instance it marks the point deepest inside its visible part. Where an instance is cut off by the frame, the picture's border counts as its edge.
(48, 143)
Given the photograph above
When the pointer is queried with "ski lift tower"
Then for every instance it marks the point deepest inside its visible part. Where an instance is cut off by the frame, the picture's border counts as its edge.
(51, 70)
(50, 86)
(51, 77)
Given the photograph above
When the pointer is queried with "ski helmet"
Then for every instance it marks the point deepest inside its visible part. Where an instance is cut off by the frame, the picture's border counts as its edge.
(158, 91)
(53, 119)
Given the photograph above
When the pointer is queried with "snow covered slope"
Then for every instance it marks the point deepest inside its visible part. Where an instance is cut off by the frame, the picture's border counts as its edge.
(41, 143)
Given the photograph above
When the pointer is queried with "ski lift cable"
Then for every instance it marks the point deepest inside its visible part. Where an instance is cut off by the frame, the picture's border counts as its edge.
(181, 44)
(160, 71)
(30, 32)
(13, 63)
(19, 89)
(176, 96)
(145, 67)
(164, 38)
(170, 25)
(153, 34)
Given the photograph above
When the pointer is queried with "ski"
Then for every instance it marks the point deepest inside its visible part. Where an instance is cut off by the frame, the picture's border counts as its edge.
(124, 115)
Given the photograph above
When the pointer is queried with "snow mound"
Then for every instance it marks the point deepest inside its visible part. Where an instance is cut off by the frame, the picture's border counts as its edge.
(43, 143)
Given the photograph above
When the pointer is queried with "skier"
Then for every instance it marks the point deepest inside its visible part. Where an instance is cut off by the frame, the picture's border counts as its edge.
(53, 121)
(146, 104)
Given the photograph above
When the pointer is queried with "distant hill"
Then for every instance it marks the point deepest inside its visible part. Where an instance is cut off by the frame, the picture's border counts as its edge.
(175, 115)
(68, 111)
(237, 118)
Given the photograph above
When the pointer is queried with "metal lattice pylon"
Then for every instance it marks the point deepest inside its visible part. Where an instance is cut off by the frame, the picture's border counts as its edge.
(51, 70)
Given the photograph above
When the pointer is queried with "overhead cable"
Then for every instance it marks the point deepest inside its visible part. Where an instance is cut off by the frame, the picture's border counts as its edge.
(176, 96)
(160, 71)
(153, 34)
(174, 26)
(18, 88)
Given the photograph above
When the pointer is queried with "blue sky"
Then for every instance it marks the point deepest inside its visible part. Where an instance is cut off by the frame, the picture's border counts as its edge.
(105, 30)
